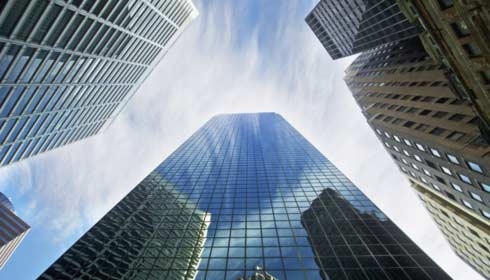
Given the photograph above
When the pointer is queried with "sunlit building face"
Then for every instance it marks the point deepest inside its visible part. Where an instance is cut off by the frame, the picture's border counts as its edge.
(259, 202)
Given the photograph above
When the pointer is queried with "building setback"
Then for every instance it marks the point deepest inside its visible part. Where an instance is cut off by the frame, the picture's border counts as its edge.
(431, 134)
(455, 34)
(12, 230)
(349, 27)
(68, 67)
(269, 194)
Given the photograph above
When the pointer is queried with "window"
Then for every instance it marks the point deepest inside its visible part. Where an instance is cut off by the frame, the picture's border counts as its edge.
(407, 142)
(456, 117)
(436, 187)
(452, 159)
(404, 161)
(485, 214)
(425, 112)
(485, 186)
(465, 178)
(415, 166)
(427, 172)
(460, 29)
(485, 76)
(440, 115)
(446, 170)
(379, 131)
(457, 187)
(437, 131)
(444, 4)
(417, 158)
(387, 145)
(472, 49)
(406, 153)
(435, 152)
(467, 204)
(474, 166)
(455, 136)
(387, 135)
(420, 147)
(424, 180)
(476, 196)
(397, 139)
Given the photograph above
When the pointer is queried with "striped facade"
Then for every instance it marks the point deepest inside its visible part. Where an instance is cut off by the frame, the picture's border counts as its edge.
(67, 68)
(12, 231)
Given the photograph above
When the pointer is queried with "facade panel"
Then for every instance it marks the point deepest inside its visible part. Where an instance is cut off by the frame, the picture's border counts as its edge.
(278, 209)
(68, 67)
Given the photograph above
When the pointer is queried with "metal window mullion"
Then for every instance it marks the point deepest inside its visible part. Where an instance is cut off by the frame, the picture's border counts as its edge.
(24, 17)
(85, 36)
(153, 24)
(100, 20)
(59, 110)
(13, 63)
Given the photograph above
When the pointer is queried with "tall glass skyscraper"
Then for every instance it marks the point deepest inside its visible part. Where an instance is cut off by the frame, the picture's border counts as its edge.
(68, 67)
(246, 197)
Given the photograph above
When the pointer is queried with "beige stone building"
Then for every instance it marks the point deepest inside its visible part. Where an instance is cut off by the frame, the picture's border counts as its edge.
(456, 34)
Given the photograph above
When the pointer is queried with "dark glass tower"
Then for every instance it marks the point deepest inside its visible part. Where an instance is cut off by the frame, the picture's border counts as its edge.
(68, 67)
(349, 27)
(278, 209)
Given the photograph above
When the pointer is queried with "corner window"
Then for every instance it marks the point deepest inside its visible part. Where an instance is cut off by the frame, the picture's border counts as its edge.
(446, 170)
(452, 159)
(474, 166)
(435, 152)
(476, 196)
(465, 178)
(457, 187)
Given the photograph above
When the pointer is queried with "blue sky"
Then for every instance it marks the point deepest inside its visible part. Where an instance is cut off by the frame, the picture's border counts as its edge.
(237, 56)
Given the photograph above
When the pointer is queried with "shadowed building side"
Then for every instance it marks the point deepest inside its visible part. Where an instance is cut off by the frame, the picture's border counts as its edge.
(349, 27)
(151, 234)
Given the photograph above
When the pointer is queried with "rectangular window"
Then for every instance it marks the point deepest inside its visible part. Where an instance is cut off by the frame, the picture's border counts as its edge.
(474, 166)
(465, 178)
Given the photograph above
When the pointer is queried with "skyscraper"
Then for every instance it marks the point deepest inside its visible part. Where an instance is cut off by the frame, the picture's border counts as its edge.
(12, 230)
(349, 27)
(268, 193)
(455, 34)
(430, 132)
(467, 235)
(68, 67)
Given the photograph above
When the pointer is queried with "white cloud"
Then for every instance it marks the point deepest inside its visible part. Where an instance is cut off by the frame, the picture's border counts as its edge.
(210, 71)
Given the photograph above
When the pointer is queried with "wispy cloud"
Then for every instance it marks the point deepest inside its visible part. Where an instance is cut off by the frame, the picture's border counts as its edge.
(233, 58)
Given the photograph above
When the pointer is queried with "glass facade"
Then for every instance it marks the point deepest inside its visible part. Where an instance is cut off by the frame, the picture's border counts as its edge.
(346, 27)
(259, 202)
(68, 67)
